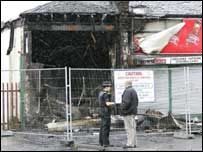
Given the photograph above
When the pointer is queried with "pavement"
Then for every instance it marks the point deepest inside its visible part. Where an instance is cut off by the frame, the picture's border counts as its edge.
(89, 142)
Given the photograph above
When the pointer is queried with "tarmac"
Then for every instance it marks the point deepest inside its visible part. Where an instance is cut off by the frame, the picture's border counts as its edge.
(89, 142)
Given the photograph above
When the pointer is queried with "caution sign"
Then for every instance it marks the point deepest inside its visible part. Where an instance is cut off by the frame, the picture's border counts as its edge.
(142, 81)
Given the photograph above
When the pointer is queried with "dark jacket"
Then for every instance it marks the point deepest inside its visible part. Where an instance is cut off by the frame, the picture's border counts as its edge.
(129, 102)
(104, 110)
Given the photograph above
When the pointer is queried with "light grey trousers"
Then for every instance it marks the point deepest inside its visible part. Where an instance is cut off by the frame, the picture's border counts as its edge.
(130, 127)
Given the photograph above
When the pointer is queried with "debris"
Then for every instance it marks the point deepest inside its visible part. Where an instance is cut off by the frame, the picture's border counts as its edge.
(150, 112)
(196, 124)
(92, 35)
(169, 122)
(148, 122)
(148, 131)
(87, 117)
(95, 115)
(68, 143)
(62, 126)
(83, 53)
(56, 126)
(76, 130)
(83, 90)
(117, 121)
(89, 122)
(152, 120)
(196, 120)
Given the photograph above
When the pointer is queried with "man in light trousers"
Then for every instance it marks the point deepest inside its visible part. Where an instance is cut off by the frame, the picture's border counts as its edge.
(129, 111)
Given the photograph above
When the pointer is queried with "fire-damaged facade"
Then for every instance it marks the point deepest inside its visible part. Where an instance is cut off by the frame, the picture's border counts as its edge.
(103, 34)
(76, 34)
(73, 34)
(97, 34)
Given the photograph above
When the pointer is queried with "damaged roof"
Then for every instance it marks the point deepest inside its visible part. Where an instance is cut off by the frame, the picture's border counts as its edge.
(169, 8)
(79, 7)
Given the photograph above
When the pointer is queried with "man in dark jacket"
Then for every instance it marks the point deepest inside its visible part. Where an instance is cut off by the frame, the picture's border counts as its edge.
(129, 111)
(105, 113)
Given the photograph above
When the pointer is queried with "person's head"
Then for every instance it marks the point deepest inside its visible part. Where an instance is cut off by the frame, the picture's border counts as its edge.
(107, 86)
(128, 84)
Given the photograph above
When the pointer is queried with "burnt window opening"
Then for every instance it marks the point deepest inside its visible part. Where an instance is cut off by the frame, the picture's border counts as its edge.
(73, 49)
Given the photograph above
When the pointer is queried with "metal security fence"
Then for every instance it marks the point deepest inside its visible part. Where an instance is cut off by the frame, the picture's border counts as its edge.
(44, 100)
(193, 98)
(86, 83)
(49, 99)
(177, 92)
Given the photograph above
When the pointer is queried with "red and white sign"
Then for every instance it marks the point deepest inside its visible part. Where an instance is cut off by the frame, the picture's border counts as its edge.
(188, 40)
(186, 60)
(172, 60)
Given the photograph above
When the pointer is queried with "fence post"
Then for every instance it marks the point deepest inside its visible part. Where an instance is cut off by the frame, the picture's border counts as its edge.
(186, 98)
(170, 90)
(12, 106)
(70, 104)
(188, 94)
(67, 111)
(3, 108)
(8, 121)
(16, 91)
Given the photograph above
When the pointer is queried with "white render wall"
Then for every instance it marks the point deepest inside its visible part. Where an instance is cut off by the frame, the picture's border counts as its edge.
(11, 61)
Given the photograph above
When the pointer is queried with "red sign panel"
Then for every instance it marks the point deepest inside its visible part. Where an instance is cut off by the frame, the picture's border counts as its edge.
(188, 40)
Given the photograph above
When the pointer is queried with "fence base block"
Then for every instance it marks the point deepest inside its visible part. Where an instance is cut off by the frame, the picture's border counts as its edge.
(183, 135)
(6, 133)
(68, 143)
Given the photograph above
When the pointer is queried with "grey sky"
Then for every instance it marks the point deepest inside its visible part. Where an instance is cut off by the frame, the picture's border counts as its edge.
(12, 9)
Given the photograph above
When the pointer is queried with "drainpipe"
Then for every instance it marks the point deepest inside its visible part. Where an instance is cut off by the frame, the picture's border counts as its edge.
(11, 39)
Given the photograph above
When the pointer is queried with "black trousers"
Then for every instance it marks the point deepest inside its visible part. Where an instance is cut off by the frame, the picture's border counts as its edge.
(104, 131)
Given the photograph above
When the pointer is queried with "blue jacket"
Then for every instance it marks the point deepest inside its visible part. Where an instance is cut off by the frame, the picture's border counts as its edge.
(129, 102)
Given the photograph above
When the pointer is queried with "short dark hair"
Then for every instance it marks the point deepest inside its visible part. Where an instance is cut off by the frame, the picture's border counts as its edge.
(106, 84)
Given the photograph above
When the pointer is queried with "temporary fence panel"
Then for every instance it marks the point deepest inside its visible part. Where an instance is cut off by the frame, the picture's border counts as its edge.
(161, 93)
(194, 77)
(43, 99)
(195, 87)
(60, 95)
(171, 87)
(86, 83)
(178, 91)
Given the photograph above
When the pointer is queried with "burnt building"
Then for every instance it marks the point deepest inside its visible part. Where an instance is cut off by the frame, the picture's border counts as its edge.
(93, 34)
(76, 34)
